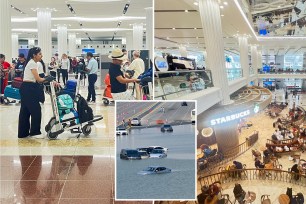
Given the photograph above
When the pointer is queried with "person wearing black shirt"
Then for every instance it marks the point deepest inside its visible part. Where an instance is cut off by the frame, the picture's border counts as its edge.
(258, 164)
(20, 65)
(117, 79)
(238, 166)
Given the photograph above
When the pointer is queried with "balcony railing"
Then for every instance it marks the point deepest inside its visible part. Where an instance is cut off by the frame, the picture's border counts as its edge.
(174, 84)
(225, 157)
(233, 74)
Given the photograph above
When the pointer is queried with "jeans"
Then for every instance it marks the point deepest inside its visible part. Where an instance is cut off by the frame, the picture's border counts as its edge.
(92, 78)
(30, 108)
(65, 75)
(58, 74)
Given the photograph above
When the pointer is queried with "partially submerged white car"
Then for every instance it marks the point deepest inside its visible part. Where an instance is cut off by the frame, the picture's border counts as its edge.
(121, 131)
(158, 153)
(155, 170)
(151, 148)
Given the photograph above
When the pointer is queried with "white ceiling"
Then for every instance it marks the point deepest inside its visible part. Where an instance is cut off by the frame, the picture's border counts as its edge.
(171, 14)
(90, 10)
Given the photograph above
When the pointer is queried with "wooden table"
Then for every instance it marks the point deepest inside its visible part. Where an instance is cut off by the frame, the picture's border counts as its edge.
(283, 199)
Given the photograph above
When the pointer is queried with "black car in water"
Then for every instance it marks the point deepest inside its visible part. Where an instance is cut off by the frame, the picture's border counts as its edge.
(130, 154)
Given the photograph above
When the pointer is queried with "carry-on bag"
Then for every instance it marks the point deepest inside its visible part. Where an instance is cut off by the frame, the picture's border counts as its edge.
(17, 81)
(11, 92)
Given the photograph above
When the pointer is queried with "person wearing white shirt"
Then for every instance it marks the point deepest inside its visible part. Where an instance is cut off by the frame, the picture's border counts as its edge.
(29, 92)
(138, 67)
(65, 67)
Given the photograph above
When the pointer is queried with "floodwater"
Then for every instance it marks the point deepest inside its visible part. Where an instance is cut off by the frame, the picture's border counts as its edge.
(179, 184)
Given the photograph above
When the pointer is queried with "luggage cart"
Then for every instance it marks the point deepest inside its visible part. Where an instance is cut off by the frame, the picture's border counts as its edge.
(55, 126)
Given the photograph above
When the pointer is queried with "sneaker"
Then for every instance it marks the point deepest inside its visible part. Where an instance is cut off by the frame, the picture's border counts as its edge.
(92, 102)
(41, 136)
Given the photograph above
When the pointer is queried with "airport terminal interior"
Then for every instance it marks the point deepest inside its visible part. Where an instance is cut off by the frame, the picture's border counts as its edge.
(71, 167)
(244, 63)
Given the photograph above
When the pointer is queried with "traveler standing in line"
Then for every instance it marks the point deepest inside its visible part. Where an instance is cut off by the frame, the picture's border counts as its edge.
(53, 66)
(20, 65)
(139, 67)
(65, 62)
(58, 61)
(118, 82)
(92, 69)
(74, 64)
(29, 92)
(4, 70)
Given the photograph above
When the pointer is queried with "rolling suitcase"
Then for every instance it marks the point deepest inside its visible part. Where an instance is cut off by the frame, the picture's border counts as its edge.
(17, 81)
(11, 92)
(71, 85)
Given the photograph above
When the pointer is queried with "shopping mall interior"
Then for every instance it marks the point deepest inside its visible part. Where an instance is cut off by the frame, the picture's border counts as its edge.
(73, 167)
(244, 63)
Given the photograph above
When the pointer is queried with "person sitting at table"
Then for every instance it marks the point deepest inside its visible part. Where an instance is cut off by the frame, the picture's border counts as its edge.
(259, 164)
(238, 166)
(295, 169)
(290, 135)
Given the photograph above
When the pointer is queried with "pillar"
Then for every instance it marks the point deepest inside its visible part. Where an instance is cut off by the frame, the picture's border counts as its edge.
(227, 138)
(44, 33)
(183, 51)
(137, 36)
(129, 41)
(72, 44)
(205, 59)
(254, 58)
(149, 31)
(15, 46)
(244, 57)
(62, 40)
(213, 35)
(6, 32)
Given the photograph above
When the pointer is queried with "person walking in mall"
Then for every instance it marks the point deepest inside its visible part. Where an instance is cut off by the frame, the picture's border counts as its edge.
(4, 70)
(92, 69)
(20, 65)
(118, 82)
(65, 62)
(139, 67)
(53, 66)
(29, 92)
(58, 70)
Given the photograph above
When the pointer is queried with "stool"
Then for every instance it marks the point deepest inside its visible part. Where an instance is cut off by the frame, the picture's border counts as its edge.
(283, 199)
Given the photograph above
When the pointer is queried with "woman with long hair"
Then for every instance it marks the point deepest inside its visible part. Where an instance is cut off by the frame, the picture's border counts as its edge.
(30, 97)
(65, 67)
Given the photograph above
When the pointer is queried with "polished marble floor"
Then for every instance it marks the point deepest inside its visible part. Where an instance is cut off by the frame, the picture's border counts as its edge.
(57, 179)
(97, 142)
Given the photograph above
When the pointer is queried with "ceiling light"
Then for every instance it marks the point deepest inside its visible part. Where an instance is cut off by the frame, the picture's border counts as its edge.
(167, 38)
(195, 28)
(221, 7)
(222, 15)
(173, 28)
(196, 3)
(225, 3)
(186, 11)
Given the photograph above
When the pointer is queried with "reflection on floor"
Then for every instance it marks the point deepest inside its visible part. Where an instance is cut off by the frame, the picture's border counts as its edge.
(100, 139)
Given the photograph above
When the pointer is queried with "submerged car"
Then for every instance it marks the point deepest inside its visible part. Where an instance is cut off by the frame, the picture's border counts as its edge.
(146, 149)
(121, 131)
(130, 154)
(166, 128)
(143, 154)
(151, 148)
(158, 153)
(135, 122)
(155, 170)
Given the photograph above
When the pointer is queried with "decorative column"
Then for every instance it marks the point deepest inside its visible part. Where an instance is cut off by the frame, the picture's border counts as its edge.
(205, 59)
(183, 51)
(213, 35)
(129, 41)
(6, 32)
(62, 40)
(244, 57)
(149, 31)
(44, 33)
(254, 57)
(72, 44)
(137, 36)
(15, 45)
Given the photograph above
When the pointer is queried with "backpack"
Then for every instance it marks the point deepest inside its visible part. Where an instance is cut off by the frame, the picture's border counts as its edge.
(299, 198)
(85, 112)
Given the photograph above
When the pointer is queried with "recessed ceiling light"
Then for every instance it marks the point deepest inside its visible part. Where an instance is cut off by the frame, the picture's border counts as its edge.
(221, 7)
(225, 3)
(196, 3)
(222, 15)
(186, 11)
(195, 28)
(173, 28)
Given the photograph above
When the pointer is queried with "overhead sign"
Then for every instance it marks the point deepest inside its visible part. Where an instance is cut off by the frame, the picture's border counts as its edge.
(229, 118)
